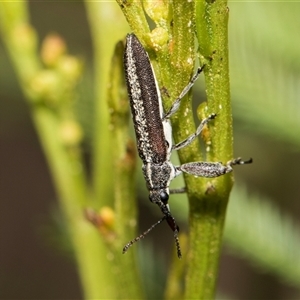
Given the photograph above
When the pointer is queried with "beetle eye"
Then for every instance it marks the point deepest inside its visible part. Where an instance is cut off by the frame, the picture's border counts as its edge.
(164, 197)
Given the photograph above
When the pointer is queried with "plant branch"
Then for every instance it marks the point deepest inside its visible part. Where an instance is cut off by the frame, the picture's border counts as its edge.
(207, 212)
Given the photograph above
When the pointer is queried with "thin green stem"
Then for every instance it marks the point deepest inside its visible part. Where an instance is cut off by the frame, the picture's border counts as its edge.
(50, 103)
(114, 157)
(106, 30)
(64, 160)
(124, 154)
(112, 175)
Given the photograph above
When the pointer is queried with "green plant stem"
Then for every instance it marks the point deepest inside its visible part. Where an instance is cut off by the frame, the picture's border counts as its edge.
(134, 14)
(207, 212)
(65, 162)
(107, 30)
(113, 165)
(114, 157)
(71, 187)
(207, 198)
(128, 285)
(174, 289)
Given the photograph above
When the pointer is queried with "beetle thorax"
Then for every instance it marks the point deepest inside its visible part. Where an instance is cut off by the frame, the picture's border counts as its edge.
(158, 176)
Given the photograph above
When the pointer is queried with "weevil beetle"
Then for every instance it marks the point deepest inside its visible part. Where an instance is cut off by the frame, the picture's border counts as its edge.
(154, 134)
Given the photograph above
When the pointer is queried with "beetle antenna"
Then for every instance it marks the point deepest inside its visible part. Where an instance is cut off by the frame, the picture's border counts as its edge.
(141, 236)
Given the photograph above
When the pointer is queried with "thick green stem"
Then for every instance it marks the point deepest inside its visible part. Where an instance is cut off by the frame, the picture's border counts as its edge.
(134, 14)
(172, 44)
(207, 212)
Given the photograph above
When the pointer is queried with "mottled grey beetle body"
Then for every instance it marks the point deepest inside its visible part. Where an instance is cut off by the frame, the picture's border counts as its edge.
(154, 134)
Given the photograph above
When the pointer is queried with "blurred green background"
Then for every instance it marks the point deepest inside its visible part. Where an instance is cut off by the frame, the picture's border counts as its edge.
(260, 258)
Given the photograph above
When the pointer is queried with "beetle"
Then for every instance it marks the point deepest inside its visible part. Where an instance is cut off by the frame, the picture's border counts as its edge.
(153, 133)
